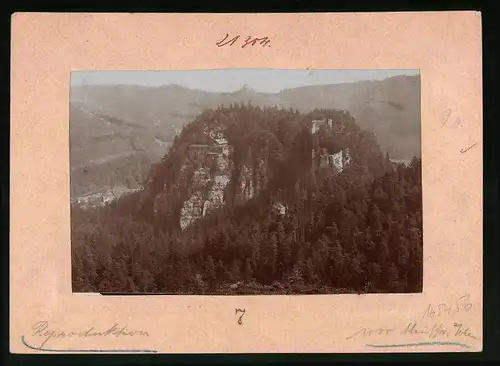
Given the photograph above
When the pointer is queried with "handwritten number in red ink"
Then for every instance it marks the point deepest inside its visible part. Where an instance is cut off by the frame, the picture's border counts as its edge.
(263, 41)
(247, 41)
(230, 42)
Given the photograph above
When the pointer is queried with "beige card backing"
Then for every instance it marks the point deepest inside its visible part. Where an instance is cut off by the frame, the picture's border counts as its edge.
(446, 317)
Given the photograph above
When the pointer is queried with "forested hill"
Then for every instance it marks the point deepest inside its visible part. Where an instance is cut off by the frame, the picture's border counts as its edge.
(269, 155)
(260, 200)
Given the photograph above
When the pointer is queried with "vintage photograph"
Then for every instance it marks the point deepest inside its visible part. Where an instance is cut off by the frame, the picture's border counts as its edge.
(246, 182)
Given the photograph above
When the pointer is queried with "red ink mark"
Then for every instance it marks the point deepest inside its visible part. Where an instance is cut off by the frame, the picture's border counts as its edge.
(262, 41)
(230, 42)
(249, 41)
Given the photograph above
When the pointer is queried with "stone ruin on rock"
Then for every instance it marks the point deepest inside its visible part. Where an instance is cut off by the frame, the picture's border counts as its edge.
(210, 179)
(322, 158)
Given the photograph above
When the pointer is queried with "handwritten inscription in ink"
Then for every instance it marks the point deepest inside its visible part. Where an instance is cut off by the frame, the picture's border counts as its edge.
(242, 42)
(242, 312)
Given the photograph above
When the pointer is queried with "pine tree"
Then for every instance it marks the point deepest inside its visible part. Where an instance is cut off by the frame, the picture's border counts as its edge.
(248, 270)
(210, 270)
(235, 274)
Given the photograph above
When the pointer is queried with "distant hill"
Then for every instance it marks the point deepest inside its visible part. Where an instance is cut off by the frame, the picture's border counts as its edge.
(134, 125)
(390, 108)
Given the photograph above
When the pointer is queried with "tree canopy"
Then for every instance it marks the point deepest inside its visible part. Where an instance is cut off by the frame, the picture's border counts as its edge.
(357, 231)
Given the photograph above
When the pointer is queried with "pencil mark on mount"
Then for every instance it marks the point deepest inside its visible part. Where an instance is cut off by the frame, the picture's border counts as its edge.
(448, 114)
(464, 331)
(455, 124)
(470, 147)
(366, 332)
(241, 316)
(406, 345)
(46, 333)
(81, 350)
(439, 321)
(461, 304)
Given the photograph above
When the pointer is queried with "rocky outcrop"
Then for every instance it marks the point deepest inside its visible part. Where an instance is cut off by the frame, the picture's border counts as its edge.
(207, 187)
(192, 209)
(280, 209)
(205, 178)
(252, 180)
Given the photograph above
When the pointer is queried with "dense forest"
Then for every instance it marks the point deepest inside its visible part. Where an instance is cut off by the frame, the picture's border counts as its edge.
(358, 230)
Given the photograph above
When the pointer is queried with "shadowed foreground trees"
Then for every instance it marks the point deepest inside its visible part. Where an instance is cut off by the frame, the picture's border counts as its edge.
(357, 231)
(345, 238)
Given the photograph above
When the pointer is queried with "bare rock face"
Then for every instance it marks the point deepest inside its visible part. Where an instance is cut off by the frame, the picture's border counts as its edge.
(207, 189)
(252, 180)
(215, 197)
(280, 209)
(192, 209)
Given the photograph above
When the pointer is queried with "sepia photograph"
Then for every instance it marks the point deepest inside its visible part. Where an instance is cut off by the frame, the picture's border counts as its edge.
(246, 182)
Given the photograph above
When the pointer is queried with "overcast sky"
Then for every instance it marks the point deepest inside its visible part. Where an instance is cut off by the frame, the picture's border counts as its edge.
(262, 80)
